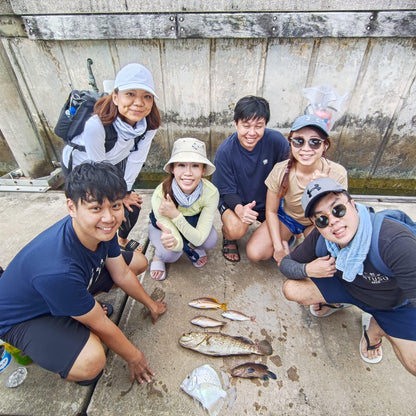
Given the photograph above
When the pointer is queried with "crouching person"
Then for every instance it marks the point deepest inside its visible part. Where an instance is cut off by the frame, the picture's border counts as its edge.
(343, 274)
(47, 308)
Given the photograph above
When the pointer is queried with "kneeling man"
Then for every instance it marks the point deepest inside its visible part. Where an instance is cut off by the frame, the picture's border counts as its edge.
(345, 275)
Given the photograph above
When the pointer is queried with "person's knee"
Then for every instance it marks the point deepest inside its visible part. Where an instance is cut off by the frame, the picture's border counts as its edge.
(234, 229)
(290, 290)
(90, 362)
(138, 263)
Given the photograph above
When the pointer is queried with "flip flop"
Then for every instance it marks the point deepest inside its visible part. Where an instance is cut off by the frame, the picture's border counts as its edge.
(227, 250)
(201, 253)
(157, 266)
(109, 307)
(333, 308)
(130, 246)
(365, 323)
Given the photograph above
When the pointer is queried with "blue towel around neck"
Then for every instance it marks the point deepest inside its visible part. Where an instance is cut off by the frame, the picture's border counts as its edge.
(350, 259)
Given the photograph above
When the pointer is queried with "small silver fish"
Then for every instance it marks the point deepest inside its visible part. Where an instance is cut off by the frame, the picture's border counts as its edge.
(207, 303)
(237, 316)
(219, 344)
(206, 322)
(253, 370)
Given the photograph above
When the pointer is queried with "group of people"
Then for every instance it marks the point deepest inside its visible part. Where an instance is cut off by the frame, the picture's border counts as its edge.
(287, 186)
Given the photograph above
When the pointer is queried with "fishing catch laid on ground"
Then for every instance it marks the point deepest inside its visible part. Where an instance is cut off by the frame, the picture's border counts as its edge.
(207, 303)
(237, 316)
(253, 370)
(206, 322)
(218, 344)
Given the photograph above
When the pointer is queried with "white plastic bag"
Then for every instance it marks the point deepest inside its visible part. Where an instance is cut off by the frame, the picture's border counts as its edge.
(324, 102)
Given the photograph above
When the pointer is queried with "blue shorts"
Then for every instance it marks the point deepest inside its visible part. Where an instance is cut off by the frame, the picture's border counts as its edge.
(294, 226)
(54, 342)
(398, 323)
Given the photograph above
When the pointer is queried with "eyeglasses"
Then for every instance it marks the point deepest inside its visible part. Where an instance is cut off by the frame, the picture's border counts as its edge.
(337, 211)
(299, 142)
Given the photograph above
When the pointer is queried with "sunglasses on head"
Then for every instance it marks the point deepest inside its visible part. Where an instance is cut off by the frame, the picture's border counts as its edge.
(337, 211)
(299, 142)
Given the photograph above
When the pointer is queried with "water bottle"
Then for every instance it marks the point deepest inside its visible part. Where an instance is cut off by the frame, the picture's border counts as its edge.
(11, 374)
(70, 112)
(19, 356)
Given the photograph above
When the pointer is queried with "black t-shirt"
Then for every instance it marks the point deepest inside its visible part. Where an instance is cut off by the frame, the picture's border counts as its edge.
(397, 247)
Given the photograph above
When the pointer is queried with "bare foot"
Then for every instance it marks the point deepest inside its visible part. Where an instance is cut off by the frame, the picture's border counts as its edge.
(157, 269)
(202, 261)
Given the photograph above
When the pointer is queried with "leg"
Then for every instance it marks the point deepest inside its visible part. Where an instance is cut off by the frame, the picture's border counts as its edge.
(260, 245)
(206, 245)
(406, 352)
(302, 291)
(127, 225)
(232, 229)
(90, 361)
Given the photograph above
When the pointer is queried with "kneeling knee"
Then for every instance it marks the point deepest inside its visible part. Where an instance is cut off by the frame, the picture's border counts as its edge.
(288, 290)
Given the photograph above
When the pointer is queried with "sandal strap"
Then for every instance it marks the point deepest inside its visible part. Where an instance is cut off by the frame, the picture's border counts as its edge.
(371, 347)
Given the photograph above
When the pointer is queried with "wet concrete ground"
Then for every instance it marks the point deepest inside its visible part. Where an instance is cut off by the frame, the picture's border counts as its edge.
(316, 360)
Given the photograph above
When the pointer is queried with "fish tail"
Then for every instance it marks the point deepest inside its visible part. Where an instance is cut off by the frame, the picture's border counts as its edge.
(224, 306)
(264, 348)
(271, 375)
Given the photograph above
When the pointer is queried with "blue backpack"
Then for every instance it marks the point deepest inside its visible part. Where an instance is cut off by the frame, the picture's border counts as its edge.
(377, 219)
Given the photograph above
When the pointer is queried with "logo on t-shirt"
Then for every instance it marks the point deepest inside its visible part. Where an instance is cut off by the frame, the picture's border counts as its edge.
(265, 161)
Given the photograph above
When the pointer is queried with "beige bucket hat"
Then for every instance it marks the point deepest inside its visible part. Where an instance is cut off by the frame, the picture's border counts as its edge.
(188, 149)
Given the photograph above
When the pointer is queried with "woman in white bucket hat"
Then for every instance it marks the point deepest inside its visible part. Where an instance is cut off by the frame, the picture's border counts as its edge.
(183, 208)
(121, 131)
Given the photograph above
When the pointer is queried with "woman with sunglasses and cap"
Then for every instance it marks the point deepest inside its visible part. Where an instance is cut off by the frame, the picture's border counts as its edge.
(183, 208)
(121, 131)
(285, 220)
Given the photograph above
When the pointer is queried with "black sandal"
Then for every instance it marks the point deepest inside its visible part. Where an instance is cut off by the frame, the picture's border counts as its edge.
(227, 250)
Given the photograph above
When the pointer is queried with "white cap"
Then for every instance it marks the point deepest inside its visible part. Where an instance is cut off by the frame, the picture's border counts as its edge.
(135, 77)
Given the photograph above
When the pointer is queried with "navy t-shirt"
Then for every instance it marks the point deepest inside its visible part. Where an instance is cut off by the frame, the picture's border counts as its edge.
(241, 173)
(51, 275)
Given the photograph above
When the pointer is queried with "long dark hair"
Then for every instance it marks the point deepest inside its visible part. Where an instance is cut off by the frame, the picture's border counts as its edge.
(167, 187)
(107, 111)
(284, 185)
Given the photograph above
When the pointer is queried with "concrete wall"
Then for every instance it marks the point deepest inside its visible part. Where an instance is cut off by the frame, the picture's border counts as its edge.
(206, 55)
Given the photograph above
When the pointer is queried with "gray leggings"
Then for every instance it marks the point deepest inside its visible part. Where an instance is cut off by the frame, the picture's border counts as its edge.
(169, 256)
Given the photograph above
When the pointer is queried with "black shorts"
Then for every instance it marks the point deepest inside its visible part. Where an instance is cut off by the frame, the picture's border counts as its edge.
(54, 342)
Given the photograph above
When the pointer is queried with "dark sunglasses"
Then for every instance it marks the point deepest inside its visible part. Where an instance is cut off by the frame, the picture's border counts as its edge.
(337, 211)
(299, 142)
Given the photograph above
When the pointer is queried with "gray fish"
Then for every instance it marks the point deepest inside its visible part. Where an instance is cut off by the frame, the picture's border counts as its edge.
(206, 322)
(253, 370)
(219, 344)
(237, 316)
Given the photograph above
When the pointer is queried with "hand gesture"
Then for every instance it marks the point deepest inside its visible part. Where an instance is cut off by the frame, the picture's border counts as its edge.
(167, 238)
(247, 214)
(168, 208)
(321, 173)
(132, 198)
(139, 370)
(321, 267)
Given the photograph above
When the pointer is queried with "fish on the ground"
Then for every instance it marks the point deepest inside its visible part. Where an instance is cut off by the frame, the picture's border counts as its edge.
(207, 322)
(219, 344)
(237, 316)
(204, 385)
(253, 370)
(207, 303)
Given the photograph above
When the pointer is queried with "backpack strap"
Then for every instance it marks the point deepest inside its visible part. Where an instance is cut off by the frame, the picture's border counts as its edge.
(377, 219)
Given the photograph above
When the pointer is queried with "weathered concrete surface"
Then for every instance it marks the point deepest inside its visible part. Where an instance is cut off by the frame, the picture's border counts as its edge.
(317, 363)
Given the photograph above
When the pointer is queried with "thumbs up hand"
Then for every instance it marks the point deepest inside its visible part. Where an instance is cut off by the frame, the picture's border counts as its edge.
(167, 238)
(168, 208)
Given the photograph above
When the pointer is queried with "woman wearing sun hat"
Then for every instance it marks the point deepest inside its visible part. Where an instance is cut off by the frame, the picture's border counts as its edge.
(309, 141)
(183, 208)
(129, 115)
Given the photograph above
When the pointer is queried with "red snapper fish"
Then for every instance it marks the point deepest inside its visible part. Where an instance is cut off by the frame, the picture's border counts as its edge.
(208, 303)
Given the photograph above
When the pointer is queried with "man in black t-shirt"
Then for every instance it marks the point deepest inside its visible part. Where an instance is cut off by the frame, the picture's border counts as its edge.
(346, 275)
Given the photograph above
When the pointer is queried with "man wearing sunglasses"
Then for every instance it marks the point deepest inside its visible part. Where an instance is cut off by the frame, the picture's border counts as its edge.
(346, 276)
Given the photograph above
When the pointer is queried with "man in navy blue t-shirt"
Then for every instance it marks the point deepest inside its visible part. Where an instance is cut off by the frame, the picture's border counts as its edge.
(243, 162)
(47, 308)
